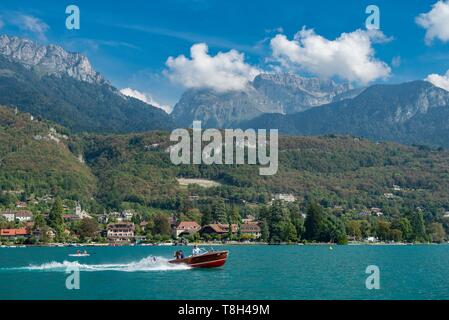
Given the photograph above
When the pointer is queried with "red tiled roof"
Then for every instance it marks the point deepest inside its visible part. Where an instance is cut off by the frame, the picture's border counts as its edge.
(14, 232)
(188, 225)
(121, 225)
(24, 214)
(251, 227)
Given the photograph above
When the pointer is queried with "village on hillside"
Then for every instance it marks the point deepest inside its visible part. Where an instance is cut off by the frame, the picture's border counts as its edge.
(66, 222)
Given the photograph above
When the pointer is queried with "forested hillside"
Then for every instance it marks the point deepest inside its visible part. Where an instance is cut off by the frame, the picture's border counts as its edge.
(345, 175)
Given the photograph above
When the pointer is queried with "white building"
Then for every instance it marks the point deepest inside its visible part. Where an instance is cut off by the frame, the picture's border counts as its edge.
(24, 216)
(8, 216)
(127, 215)
(80, 213)
(284, 197)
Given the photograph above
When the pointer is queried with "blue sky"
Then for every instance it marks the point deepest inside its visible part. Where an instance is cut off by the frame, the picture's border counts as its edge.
(129, 42)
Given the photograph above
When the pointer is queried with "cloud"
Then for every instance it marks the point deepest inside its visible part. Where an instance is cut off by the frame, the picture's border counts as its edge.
(440, 81)
(145, 98)
(226, 71)
(350, 56)
(29, 23)
(435, 22)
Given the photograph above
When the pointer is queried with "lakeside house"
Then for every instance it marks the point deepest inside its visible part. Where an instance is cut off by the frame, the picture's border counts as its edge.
(22, 216)
(249, 219)
(120, 232)
(8, 215)
(143, 225)
(47, 232)
(377, 211)
(284, 197)
(71, 217)
(14, 233)
(124, 216)
(250, 228)
(21, 204)
(186, 228)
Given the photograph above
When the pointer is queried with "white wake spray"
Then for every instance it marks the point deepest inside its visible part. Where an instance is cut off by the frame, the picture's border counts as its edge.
(145, 265)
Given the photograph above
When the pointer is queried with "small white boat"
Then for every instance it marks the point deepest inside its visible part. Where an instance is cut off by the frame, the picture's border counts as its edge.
(79, 255)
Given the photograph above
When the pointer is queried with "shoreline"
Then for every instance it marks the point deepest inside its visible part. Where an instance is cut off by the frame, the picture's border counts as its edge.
(207, 244)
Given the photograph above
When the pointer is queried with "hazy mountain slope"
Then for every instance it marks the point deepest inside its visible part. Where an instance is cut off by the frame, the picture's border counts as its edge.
(220, 110)
(414, 112)
(268, 93)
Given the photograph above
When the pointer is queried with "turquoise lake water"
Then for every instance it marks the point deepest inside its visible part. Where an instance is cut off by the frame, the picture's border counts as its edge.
(252, 272)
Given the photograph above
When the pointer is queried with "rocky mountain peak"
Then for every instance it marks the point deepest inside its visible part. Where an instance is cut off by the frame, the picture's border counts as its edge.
(50, 59)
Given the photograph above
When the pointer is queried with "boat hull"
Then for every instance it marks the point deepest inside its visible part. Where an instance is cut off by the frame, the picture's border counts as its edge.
(208, 260)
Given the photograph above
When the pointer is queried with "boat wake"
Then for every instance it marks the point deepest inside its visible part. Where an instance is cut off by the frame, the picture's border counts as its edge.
(145, 265)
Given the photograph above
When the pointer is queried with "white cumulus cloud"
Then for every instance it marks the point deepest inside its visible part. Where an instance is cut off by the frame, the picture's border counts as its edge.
(351, 56)
(226, 71)
(436, 22)
(145, 98)
(440, 81)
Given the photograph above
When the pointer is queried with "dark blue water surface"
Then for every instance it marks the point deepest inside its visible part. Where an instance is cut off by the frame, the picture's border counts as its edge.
(252, 272)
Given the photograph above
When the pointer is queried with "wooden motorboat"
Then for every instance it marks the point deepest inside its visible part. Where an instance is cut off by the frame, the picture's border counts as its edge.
(212, 259)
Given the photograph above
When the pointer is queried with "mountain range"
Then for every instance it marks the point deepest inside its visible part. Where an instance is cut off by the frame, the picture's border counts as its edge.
(412, 113)
(269, 93)
(51, 83)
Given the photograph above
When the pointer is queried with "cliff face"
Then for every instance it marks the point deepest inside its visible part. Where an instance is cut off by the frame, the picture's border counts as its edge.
(49, 60)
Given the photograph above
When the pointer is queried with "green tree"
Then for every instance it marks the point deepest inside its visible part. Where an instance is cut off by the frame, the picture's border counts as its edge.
(206, 217)
(332, 230)
(88, 228)
(281, 228)
(56, 219)
(297, 219)
(353, 228)
(314, 222)
(396, 235)
(265, 233)
(384, 230)
(404, 225)
(39, 221)
(436, 232)
(161, 225)
(418, 227)
(219, 213)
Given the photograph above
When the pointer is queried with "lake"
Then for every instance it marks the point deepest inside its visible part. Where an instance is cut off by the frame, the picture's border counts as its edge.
(252, 272)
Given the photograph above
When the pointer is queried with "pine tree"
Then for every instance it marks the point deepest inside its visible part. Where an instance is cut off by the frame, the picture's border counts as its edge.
(314, 222)
(56, 218)
(207, 217)
(418, 227)
(220, 214)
